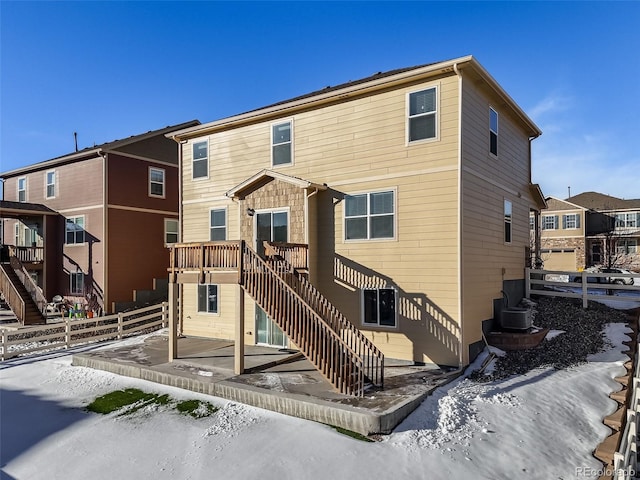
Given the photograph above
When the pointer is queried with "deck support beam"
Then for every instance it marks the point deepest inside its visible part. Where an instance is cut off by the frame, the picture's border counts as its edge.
(238, 353)
(173, 320)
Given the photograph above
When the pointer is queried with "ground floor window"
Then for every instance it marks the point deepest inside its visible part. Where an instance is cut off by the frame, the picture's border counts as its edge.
(77, 283)
(379, 307)
(208, 298)
(626, 246)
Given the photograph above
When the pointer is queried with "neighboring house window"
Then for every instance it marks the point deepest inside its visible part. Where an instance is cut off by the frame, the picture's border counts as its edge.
(422, 114)
(208, 298)
(596, 253)
(370, 216)
(508, 215)
(281, 148)
(156, 182)
(218, 224)
(22, 189)
(493, 131)
(200, 163)
(532, 222)
(170, 231)
(549, 222)
(51, 184)
(379, 307)
(627, 220)
(77, 283)
(626, 246)
(75, 230)
(570, 221)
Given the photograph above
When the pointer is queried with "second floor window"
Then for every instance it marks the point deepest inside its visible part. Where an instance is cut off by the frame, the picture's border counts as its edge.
(200, 162)
(370, 216)
(218, 225)
(627, 220)
(75, 230)
(422, 115)
(51, 185)
(156, 182)
(571, 221)
(22, 189)
(281, 151)
(493, 131)
(549, 222)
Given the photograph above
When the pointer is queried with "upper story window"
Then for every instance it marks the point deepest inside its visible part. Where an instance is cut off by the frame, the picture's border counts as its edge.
(22, 189)
(218, 224)
(422, 114)
(281, 145)
(50, 186)
(200, 162)
(379, 307)
(170, 231)
(208, 298)
(508, 216)
(627, 220)
(370, 216)
(156, 182)
(493, 131)
(571, 221)
(549, 222)
(75, 230)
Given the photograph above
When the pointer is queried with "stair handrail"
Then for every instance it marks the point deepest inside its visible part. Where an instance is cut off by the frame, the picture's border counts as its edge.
(371, 355)
(310, 335)
(11, 294)
(31, 286)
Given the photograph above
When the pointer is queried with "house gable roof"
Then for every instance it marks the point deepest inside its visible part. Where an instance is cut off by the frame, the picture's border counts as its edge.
(265, 176)
(602, 202)
(554, 203)
(368, 85)
(91, 152)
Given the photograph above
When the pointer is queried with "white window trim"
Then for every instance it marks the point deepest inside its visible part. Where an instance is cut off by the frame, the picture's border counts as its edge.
(71, 291)
(509, 221)
(18, 190)
(290, 122)
(565, 220)
(496, 132)
(271, 210)
(193, 159)
(166, 231)
(46, 184)
(395, 325)
(226, 223)
(395, 217)
(164, 182)
(84, 228)
(555, 223)
(436, 138)
(207, 312)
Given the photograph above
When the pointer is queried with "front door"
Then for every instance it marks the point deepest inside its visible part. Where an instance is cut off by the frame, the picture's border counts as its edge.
(272, 226)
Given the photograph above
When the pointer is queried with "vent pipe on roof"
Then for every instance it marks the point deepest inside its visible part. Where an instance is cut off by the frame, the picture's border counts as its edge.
(569, 187)
(75, 137)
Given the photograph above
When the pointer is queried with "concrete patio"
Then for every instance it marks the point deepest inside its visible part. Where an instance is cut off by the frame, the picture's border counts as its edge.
(279, 380)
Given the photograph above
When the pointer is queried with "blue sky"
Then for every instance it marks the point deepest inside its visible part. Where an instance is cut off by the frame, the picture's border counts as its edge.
(109, 70)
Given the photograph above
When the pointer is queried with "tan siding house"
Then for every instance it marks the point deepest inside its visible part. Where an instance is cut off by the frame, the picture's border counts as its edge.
(390, 185)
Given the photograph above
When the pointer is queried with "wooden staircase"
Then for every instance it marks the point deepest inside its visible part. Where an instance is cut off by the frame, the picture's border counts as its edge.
(17, 295)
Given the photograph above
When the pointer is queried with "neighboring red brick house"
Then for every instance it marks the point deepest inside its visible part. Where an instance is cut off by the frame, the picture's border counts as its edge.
(93, 225)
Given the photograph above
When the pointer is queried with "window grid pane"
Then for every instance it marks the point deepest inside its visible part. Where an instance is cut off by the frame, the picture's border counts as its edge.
(370, 216)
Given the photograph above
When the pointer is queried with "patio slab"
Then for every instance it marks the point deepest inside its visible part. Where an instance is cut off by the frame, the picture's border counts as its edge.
(277, 380)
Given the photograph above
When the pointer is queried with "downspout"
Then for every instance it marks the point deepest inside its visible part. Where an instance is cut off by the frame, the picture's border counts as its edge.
(459, 219)
(180, 318)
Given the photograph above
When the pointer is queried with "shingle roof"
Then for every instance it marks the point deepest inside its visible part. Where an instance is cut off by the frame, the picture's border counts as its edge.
(600, 201)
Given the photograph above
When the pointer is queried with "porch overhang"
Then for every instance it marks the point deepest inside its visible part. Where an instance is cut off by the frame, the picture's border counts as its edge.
(23, 209)
(538, 197)
(265, 176)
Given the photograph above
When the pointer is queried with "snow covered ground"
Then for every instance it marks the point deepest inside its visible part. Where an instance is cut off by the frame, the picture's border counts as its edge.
(543, 425)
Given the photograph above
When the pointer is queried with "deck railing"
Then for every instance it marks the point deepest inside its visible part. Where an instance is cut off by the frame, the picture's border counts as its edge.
(203, 257)
(295, 254)
(27, 254)
(371, 356)
(34, 290)
(322, 346)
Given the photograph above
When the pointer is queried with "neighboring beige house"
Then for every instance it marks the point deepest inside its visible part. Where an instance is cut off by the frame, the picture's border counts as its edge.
(590, 229)
(404, 198)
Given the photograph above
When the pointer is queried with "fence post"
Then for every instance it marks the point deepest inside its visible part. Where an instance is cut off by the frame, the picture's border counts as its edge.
(67, 332)
(4, 343)
(584, 289)
(120, 326)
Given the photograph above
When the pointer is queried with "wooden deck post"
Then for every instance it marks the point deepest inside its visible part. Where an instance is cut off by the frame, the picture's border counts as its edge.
(238, 353)
(173, 320)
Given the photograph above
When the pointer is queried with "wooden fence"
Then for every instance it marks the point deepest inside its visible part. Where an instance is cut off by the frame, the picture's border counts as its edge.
(589, 285)
(81, 331)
